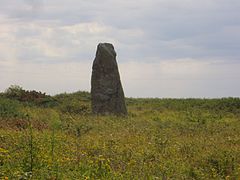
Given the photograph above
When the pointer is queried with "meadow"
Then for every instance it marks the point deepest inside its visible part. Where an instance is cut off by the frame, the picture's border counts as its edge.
(57, 137)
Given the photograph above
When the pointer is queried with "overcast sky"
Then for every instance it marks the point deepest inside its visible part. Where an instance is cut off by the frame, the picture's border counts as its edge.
(165, 48)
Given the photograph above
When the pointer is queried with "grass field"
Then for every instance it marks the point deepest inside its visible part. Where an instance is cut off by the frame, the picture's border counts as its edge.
(44, 137)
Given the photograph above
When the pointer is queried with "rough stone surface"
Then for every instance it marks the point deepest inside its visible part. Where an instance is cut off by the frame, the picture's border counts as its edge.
(106, 88)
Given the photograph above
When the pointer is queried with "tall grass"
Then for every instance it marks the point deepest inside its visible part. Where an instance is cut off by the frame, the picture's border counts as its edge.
(160, 139)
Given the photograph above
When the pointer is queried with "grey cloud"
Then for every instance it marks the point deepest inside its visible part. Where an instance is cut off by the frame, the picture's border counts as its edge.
(164, 30)
(172, 29)
(35, 4)
(22, 9)
(186, 29)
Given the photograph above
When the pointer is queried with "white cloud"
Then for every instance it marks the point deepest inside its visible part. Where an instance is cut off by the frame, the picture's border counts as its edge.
(166, 78)
(50, 78)
(47, 41)
(181, 78)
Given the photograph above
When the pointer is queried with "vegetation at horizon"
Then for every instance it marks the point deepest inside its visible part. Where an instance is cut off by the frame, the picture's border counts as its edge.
(57, 137)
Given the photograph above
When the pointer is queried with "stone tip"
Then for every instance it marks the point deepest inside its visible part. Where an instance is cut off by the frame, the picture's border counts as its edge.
(110, 45)
(106, 47)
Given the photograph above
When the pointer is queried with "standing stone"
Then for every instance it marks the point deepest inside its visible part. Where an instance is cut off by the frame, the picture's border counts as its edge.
(106, 88)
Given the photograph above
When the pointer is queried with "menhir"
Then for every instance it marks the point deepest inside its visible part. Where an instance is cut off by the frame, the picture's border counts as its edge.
(106, 88)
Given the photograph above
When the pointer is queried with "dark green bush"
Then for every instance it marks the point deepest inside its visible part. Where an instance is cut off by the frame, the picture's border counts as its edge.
(74, 103)
(10, 108)
(29, 97)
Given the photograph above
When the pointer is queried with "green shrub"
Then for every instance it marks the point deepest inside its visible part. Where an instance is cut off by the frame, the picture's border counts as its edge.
(29, 97)
(10, 108)
(74, 103)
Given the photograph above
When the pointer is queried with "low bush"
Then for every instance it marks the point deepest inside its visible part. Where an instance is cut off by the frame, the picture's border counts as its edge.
(10, 108)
